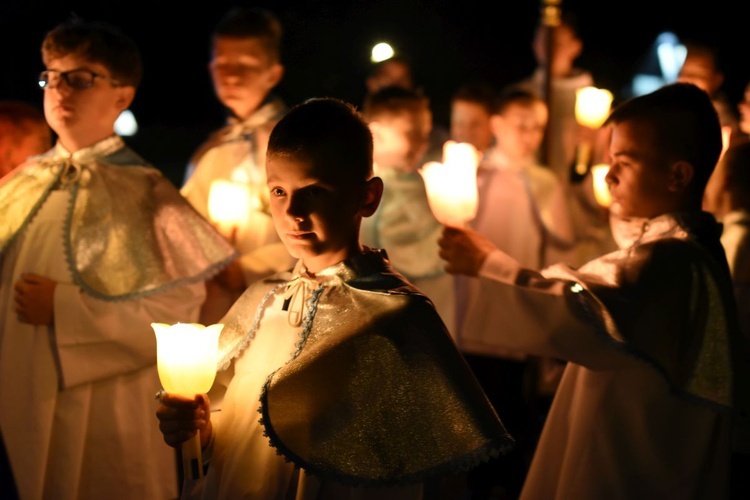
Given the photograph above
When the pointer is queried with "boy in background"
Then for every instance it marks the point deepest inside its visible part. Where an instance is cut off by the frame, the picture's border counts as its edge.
(245, 68)
(471, 108)
(359, 388)
(95, 245)
(403, 225)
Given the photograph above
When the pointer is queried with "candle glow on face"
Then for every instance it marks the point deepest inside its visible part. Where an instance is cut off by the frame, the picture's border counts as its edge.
(601, 189)
(452, 185)
(186, 356)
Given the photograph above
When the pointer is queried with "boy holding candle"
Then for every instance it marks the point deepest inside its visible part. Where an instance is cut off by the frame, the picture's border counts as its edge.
(342, 379)
(655, 392)
(403, 225)
(245, 68)
(95, 245)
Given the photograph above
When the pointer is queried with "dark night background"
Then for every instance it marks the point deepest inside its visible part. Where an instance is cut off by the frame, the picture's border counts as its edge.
(327, 43)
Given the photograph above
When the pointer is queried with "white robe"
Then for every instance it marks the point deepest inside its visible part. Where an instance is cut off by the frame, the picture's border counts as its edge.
(642, 410)
(77, 412)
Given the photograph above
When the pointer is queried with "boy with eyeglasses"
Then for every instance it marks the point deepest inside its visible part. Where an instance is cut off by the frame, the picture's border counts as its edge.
(95, 245)
(245, 68)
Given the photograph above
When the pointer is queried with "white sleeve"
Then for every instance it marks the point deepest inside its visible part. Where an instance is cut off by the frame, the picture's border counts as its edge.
(521, 310)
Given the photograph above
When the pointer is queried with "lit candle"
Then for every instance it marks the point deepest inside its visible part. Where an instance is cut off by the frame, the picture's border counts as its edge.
(186, 361)
(592, 106)
(230, 201)
(452, 185)
(591, 110)
(601, 189)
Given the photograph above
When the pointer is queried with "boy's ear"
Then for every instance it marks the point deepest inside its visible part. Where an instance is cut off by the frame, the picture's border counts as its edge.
(125, 97)
(496, 123)
(680, 176)
(275, 74)
(371, 198)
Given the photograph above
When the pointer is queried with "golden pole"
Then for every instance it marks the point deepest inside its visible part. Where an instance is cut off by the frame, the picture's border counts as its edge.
(550, 17)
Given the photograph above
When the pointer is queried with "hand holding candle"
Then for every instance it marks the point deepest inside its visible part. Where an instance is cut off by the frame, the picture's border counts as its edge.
(452, 185)
(186, 361)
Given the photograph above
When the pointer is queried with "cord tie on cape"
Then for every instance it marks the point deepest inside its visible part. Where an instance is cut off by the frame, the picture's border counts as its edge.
(295, 298)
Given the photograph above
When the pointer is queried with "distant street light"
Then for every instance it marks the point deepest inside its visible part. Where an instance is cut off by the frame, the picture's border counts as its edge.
(381, 51)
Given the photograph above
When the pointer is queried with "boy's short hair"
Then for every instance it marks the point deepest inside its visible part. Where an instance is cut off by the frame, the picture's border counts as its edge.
(325, 131)
(515, 94)
(252, 22)
(707, 51)
(376, 68)
(477, 92)
(684, 124)
(392, 101)
(97, 42)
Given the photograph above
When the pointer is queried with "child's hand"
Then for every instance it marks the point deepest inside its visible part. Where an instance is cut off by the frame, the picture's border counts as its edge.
(180, 418)
(464, 250)
(35, 299)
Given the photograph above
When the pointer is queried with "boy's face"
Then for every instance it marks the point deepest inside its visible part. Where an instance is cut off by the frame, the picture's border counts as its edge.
(242, 73)
(639, 178)
(316, 214)
(519, 131)
(470, 122)
(390, 73)
(699, 69)
(400, 141)
(567, 46)
(88, 114)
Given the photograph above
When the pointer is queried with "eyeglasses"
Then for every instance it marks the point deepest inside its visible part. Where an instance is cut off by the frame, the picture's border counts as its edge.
(76, 79)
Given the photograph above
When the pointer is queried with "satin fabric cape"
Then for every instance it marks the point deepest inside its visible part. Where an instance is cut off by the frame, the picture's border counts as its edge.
(128, 231)
(377, 393)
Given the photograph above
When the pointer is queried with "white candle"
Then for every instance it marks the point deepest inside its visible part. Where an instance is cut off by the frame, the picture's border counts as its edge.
(228, 203)
(592, 106)
(186, 357)
(452, 185)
